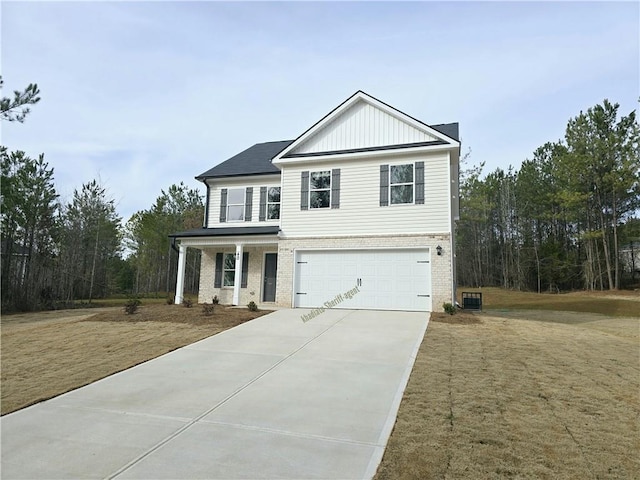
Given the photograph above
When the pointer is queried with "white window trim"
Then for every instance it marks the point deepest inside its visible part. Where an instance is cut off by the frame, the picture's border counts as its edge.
(273, 203)
(413, 184)
(224, 254)
(244, 199)
(320, 189)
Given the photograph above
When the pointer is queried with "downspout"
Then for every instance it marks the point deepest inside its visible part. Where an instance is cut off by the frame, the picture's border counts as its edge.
(175, 249)
(205, 223)
(455, 218)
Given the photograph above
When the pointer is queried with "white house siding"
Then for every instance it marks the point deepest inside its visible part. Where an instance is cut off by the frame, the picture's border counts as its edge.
(441, 273)
(455, 189)
(362, 126)
(360, 212)
(256, 182)
(253, 292)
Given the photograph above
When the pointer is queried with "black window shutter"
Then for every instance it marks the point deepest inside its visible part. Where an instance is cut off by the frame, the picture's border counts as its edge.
(304, 191)
(248, 204)
(245, 270)
(263, 204)
(335, 188)
(205, 223)
(223, 205)
(384, 185)
(217, 280)
(419, 177)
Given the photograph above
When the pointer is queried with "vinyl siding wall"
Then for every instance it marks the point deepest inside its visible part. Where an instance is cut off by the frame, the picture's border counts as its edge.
(239, 182)
(360, 212)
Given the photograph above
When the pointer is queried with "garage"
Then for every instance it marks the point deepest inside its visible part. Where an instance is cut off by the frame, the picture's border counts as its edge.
(377, 279)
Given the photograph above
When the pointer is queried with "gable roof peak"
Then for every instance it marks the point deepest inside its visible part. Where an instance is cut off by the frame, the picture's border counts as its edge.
(383, 126)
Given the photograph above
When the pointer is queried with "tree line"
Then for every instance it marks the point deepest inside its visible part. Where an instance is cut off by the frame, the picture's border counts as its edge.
(56, 254)
(567, 219)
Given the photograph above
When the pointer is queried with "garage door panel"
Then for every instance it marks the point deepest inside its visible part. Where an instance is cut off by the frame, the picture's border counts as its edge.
(389, 279)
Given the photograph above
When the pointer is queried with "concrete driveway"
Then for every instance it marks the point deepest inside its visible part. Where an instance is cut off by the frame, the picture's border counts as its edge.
(272, 398)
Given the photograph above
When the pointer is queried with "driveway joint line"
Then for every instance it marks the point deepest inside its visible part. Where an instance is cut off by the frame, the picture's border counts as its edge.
(182, 429)
(124, 412)
(289, 433)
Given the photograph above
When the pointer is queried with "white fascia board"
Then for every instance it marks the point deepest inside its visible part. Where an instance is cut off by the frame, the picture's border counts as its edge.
(363, 154)
(380, 236)
(204, 242)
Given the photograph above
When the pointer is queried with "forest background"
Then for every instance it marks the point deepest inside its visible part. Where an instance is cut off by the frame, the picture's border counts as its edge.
(567, 219)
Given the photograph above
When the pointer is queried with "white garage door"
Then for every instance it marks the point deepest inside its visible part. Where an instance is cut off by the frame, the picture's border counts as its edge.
(363, 279)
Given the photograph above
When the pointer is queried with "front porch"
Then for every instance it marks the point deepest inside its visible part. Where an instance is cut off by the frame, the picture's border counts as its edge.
(238, 265)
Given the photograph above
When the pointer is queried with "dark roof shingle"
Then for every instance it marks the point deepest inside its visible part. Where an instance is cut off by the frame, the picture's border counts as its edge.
(254, 160)
(448, 129)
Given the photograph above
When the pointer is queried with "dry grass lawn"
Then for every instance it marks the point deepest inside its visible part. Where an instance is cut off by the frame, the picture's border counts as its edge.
(621, 303)
(533, 389)
(49, 353)
(494, 397)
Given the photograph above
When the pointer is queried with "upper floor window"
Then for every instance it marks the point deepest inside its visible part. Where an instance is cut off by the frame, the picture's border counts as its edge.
(273, 203)
(320, 189)
(401, 183)
(235, 204)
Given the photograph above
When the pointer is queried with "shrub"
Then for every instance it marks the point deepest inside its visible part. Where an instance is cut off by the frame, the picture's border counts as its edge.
(449, 308)
(215, 300)
(131, 306)
(170, 300)
(187, 303)
(252, 306)
(208, 308)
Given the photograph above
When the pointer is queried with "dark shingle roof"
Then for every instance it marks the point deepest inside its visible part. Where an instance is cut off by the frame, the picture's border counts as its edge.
(255, 160)
(448, 129)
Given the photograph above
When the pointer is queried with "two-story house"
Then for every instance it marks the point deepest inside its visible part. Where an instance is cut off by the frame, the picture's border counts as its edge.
(357, 212)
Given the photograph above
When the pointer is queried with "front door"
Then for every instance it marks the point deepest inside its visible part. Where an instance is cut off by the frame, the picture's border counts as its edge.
(269, 281)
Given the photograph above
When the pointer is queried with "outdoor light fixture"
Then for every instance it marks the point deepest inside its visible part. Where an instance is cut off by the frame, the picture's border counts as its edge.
(439, 250)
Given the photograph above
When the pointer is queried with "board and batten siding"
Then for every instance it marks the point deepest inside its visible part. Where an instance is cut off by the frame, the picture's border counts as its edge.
(241, 182)
(362, 126)
(360, 212)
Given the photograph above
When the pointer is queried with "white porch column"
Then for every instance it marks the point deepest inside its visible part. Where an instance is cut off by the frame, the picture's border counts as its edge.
(237, 279)
(182, 259)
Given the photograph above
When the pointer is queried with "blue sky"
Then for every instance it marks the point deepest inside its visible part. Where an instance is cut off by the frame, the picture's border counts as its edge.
(146, 94)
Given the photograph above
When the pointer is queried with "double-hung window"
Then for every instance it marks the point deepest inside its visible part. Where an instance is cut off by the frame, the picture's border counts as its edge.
(401, 184)
(273, 203)
(320, 189)
(235, 205)
(229, 269)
